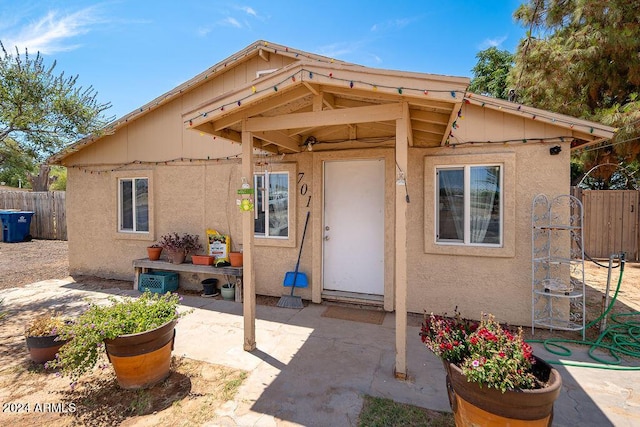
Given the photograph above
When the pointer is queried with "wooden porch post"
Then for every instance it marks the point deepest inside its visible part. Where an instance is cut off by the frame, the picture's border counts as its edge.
(248, 227)
(402, 131)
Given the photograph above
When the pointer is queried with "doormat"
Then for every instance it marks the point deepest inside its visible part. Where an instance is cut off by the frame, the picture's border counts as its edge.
(354, 314)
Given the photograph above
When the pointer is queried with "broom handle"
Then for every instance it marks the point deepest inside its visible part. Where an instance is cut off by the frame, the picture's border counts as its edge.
(295, 274)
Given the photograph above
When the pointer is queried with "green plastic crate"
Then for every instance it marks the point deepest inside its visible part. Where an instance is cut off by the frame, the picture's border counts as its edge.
(159, 282)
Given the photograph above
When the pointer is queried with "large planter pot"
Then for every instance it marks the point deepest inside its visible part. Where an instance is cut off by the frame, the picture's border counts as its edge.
(473, 405)
(142, 360)
(176, 257)
(43, 349)
(154, 253)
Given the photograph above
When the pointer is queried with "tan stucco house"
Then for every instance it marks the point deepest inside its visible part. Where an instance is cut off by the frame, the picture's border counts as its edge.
(419, 192)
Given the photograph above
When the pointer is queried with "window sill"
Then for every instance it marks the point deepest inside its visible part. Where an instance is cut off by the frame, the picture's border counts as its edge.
(274, 243)
(123, 235)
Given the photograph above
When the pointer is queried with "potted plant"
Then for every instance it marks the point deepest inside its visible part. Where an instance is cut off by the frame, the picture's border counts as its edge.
(492, 373)
(154, 251)
(178, 247)
(42, 337)
(136, 333)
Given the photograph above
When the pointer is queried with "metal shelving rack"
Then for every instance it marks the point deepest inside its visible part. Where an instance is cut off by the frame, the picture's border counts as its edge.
(557, 265)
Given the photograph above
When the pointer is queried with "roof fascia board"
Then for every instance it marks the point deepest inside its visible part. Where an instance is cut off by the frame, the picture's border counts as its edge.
(589, 129)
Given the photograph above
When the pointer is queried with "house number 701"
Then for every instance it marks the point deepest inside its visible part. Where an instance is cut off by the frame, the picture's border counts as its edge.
(304, 188)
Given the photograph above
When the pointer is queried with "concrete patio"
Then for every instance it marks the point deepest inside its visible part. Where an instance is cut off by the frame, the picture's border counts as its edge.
(312, 370)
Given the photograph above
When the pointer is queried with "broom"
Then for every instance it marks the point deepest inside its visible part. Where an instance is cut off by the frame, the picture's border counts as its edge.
(293, 301)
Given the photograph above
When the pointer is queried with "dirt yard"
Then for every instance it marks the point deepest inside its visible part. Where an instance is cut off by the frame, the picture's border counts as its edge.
(33, 396)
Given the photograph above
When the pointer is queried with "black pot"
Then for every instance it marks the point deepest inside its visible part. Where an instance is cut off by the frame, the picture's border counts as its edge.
(210, 287)
(43, 349)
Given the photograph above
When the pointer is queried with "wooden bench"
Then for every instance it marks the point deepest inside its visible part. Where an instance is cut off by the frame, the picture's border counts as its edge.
(143, 265)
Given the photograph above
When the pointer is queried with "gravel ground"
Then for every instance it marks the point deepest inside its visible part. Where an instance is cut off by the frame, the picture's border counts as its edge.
(29, 262)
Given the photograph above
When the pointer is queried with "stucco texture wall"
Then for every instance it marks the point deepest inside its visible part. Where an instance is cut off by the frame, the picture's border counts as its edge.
(186, 198)
(490, 280)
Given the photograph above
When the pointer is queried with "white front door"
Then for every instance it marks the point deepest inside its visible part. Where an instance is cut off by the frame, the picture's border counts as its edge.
(353, 229)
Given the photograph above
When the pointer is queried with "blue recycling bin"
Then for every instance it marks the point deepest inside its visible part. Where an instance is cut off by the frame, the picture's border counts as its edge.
(15, 226)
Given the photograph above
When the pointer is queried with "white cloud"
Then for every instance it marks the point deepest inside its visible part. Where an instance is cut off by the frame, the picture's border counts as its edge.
(203, 31)
(335, 50)
(392, 24)
(495, 42)
(249, 11)
(53, 32)
(376, 58)
(232, 22)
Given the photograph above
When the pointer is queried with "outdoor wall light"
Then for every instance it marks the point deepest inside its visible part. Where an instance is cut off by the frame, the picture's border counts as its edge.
(310, 141)
(555, 150)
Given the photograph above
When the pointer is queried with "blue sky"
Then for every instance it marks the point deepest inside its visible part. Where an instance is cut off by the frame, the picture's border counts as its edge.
(133, 51)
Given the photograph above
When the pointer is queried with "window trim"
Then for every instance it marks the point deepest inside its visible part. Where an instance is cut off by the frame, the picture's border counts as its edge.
(266, 174)
(469, 157)
(284, 242)
(126, 234)
(133, 205)
(466, 168)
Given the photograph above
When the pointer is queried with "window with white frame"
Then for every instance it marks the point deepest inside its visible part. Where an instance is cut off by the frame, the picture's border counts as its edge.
(133, 201)
(272, 204)
(469, 205)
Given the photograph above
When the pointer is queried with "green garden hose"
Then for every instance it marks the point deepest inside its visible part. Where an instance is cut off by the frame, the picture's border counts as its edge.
(624, 337)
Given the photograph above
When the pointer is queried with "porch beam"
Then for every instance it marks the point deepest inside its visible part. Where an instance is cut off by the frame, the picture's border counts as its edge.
(254, 110)
(406, 114)
(248, 228)
(401, 201)
(281, 139)
(326, 118)
(452, 118)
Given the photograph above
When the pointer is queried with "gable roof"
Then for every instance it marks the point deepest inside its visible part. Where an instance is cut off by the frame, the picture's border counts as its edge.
(336, 102)
(258, 48)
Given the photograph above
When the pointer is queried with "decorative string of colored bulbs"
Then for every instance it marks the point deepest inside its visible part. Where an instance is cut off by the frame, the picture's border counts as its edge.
(119, 166)
(304, 73)
(221, 66)
(556, 139)
(468, 99)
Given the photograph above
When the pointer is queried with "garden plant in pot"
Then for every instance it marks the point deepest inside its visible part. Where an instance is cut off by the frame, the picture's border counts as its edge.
(493, 378)
(42, 336)
(178, 247)
(154, 251)
(136, 333)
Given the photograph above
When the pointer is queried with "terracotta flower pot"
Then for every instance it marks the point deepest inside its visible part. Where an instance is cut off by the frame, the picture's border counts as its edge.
(235, 258)
(473, 405)
(202, 259)
(43, 349)
(154, 253)
(176, 257)
(142, 360)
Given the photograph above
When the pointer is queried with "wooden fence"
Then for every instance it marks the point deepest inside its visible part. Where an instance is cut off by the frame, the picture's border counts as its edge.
(49, 220)
(611, 222)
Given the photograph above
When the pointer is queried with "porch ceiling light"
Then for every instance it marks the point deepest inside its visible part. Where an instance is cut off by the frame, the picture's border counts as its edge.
(310, 141)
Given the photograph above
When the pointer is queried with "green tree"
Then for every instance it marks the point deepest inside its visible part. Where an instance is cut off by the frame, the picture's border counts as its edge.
(14, 164)
(580, 57)
(43, 112)
(490, 73)
(58, 178)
